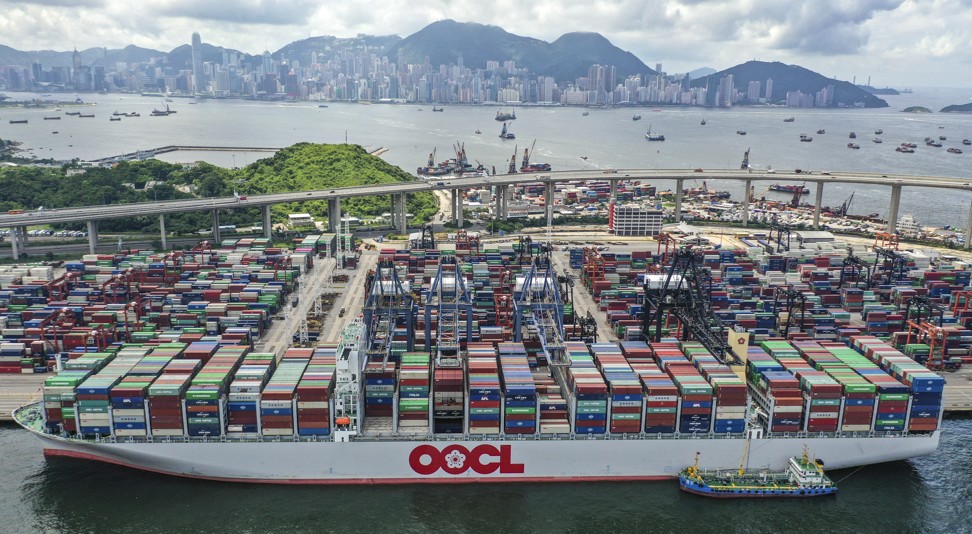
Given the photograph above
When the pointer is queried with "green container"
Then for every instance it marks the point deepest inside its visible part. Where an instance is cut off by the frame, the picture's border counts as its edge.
(521, 410)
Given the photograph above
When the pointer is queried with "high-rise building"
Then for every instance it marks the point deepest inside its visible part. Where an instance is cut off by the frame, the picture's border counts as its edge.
(198, 78)
(769, 89)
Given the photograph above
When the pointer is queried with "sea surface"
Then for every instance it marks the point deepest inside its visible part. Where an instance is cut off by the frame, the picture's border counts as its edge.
(929, 494)
(608, 138)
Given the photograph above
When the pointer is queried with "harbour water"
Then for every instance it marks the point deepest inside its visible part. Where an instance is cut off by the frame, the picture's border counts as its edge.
(608, 138)
(931, 494)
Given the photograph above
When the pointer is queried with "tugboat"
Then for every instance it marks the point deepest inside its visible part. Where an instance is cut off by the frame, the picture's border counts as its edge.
(802, 477)
(855, 146)
(703, 121)
(853, 135)
(741, 132)
(636, 118)
(650, 137)
(821, 131)
(505, 134)
(789, 119)
(967, 142)
(804, 138)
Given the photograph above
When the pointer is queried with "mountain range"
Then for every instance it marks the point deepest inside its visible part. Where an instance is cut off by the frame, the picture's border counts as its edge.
(447, 42)
(787, 78)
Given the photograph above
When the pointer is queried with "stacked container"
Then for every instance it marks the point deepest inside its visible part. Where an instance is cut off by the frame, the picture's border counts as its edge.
(589, 392)
(277, 416)
(413, 391)
(314, 392)
(484, 390)
(624, 387)
(519, 390)
(128, 405)
(379, 389)
(165, 397)
(243, 400)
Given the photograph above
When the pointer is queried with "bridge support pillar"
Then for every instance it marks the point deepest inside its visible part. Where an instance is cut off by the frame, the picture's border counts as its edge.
(614, 191)
(816, 206)
(457, 196)
(22, 236)
(745, 204)
(267, 222)
(968, 231)
(893, 208)
(15, 243)
(679, 184)
(162, 230)
(498, 210)
(334, 215)
(216, 236)
(548, 202)
(92, 236)
(402, 214)
(506, 202)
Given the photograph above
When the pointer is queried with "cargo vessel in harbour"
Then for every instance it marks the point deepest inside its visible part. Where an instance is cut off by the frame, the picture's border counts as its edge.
(415, 393)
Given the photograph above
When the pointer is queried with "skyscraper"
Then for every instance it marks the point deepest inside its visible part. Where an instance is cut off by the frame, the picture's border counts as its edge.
(198, 78)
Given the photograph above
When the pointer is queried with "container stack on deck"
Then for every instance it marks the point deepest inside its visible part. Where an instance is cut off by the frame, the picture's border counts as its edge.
(314, 391)
(413, 391)
(243, 400)
(485, 399)
(277, 416)
(588, 397)
(519, 390)
(449, 398)
(624, 388)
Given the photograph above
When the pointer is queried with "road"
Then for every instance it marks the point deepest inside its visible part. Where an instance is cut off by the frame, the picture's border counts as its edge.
(583, 300)
(93, 213)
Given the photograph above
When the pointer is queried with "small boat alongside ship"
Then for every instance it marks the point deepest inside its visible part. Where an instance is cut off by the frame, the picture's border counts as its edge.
(904, 149)
(802, 477)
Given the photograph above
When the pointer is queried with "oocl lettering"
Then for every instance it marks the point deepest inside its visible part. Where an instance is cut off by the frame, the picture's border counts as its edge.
(483, 459)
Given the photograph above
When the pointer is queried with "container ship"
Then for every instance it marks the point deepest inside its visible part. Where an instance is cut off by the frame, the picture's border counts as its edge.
(786, 188)
(464, 365)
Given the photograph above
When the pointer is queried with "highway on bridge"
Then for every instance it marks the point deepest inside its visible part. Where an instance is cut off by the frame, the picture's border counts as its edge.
(94, 213)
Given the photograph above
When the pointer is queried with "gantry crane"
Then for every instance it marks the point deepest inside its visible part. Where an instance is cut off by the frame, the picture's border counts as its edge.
(682, 295)
(538, 304)
(449, 298)
(388, 305)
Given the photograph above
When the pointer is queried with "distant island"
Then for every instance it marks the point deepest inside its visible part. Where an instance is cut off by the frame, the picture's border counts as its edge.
(958, 108)
(916, 109)
(879, 91)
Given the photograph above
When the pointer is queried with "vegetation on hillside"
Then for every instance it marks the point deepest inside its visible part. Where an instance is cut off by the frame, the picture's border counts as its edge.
(916, 109)
(301, 167)
(958, 108)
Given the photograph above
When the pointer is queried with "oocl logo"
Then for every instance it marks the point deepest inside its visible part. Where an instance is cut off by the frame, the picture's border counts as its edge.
(455, 460)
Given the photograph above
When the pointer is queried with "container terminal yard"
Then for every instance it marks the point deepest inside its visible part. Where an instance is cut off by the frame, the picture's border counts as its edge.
(455, 346)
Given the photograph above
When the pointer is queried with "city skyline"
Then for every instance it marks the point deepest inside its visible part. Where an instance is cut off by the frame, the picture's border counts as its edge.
(894, 42)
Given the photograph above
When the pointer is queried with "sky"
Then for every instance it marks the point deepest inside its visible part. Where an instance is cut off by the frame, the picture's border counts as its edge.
(898, 43)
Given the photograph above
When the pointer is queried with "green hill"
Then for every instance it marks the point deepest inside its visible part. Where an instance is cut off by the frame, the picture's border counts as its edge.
(300, 167)
(307, 166)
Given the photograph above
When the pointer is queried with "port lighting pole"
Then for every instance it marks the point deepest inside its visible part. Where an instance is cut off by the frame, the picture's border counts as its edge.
(816, 206)
(893, 208)
(614, 191)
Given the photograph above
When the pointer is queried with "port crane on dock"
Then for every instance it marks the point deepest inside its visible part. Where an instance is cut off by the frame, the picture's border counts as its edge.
(681, 296)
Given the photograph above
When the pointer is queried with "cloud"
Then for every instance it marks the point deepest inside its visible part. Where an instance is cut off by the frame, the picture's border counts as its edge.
(261, 12)
(57, 3)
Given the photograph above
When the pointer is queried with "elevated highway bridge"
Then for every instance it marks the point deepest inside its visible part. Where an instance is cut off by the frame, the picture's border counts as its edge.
(18, 222)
